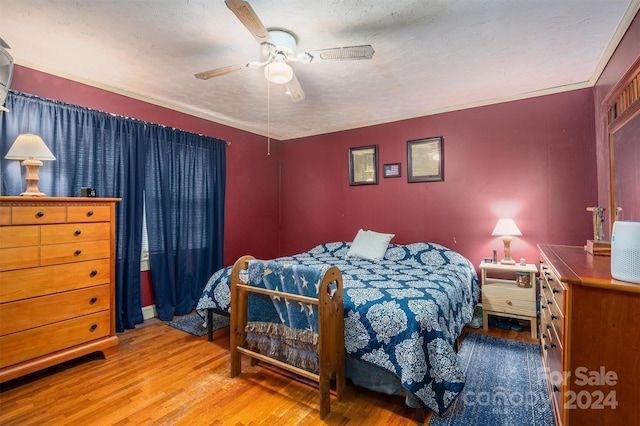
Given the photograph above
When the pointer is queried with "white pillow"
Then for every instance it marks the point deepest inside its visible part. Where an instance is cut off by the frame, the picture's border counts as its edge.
(369, 245)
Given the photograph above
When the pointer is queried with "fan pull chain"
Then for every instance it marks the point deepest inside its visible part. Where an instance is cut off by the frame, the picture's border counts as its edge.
(268, 118)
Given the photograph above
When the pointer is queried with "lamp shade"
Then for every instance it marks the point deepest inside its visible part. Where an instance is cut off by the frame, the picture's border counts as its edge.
(278, 72)
(28, 146)
(506, 227)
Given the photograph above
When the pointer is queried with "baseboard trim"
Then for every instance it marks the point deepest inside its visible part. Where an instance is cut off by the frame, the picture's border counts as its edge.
(149, 312)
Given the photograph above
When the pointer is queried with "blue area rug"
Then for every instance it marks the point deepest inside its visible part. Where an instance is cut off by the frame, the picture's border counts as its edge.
(505, 385)
(194, 324)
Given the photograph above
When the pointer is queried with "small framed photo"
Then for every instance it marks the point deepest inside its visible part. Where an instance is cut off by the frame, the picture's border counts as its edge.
(391, 170)
(363, 165)
(425, 160)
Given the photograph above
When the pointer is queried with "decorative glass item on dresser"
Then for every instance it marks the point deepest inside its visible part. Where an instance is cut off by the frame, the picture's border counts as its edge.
(598, 245)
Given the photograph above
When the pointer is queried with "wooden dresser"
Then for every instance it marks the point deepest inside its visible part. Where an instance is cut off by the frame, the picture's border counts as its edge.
(57, 281)
(589, 337)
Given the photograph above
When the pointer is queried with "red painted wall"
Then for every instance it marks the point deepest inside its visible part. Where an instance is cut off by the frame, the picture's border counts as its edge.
(533, 160)
(625, 54)
(252, 176)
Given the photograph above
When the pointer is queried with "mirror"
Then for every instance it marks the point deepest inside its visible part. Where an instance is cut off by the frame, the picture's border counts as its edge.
(626, 154)
(623, 118)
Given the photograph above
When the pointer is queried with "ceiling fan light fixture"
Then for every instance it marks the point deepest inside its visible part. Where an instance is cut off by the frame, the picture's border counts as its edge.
(278, 72)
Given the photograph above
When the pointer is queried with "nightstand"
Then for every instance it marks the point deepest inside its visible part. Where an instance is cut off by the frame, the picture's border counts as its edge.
(509, 297)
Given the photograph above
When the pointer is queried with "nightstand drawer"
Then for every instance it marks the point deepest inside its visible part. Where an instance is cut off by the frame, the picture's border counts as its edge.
(507, 298)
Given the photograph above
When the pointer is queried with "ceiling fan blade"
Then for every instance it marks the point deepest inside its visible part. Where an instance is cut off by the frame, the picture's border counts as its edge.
(347, 53)
(206, 75)
(294, 90)
(249, 19)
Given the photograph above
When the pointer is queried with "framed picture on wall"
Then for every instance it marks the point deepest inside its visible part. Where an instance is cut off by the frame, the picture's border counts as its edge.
(425, 160)
(363, 165)
(391, 170)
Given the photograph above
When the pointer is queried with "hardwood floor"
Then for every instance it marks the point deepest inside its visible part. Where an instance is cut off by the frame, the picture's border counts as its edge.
(163, 376)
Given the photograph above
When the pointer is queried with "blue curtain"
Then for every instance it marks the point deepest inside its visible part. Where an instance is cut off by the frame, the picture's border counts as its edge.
(184, 195)
(116, 155)
(93, 149)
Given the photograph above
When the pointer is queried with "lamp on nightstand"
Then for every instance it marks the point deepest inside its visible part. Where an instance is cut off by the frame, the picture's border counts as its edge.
(507, 229)
(32, 150)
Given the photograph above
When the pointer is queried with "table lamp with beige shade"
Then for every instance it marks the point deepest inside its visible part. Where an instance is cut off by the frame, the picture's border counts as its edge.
(33, 151)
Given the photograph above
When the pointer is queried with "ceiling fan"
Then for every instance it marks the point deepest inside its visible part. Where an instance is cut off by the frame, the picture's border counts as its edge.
(278, 47)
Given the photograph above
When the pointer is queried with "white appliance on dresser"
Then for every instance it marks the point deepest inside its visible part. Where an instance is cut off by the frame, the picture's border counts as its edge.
(625, 251)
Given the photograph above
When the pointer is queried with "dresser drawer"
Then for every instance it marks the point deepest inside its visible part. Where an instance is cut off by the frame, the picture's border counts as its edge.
(30, 313)
(552, 284)
(19, 236)
(74, 232)
(5, 215)
(555, 374)
(74, 252)
(19, 257)
(48, 339)
(88, 213)
(28, 215)
(26, 283)
(509, 298)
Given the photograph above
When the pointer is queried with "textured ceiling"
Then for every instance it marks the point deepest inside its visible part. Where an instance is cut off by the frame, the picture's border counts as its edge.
(430, 56)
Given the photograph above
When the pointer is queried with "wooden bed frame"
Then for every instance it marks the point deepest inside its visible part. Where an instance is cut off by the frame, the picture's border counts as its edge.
(331, 352)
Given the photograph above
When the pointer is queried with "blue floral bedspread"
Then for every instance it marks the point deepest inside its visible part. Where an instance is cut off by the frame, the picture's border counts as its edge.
(402, 313)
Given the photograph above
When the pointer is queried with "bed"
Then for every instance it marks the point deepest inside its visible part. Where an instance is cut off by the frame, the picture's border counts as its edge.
(402, 316)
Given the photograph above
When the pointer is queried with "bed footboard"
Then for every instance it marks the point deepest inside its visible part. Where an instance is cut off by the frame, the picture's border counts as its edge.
(330, 328)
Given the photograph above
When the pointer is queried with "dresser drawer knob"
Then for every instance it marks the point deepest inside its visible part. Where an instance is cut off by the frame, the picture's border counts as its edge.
(556, 388)
(544, 335)
(554, 317)
(549, 302)
(77, 252)
(555, 291)
(40, 214)
(93, 273)
(546, 347)
(544, 286)
(553, 345)
(548, 326)
(543, 307)
(90, 213)
(78, 232)
(93, 300)
(509, 303)
(93, 327)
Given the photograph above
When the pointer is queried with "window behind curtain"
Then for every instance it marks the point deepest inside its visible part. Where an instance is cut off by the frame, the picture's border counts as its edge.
(185, 188)
(116, 155)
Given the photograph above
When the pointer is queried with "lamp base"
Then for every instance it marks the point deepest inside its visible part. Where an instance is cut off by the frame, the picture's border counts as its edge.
(33, 194)
(508, 261)
(32, 166)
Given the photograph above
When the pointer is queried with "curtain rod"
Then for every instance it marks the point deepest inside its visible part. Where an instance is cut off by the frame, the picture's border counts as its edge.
(226, 143)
